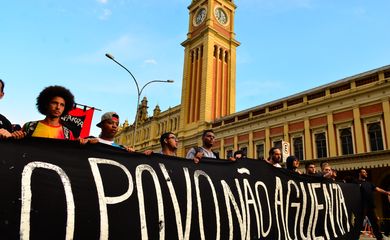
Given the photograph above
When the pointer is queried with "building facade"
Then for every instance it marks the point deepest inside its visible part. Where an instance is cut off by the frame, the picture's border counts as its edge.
(346, 122)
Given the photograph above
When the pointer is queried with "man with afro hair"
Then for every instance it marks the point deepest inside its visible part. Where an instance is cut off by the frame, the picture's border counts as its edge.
(53, 102)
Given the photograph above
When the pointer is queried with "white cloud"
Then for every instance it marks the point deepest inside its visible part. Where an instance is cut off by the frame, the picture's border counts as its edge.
(106, 14)
(103, 1)
(150, 61)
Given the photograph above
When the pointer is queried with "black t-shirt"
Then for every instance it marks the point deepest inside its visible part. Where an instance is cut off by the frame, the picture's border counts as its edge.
(5, 123)
(367, 189)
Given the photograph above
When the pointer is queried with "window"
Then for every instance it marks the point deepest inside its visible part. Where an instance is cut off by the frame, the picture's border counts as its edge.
(320, 141)
(244, 150)
(346, 141)
(278, 144)
(375, 136)
(298, 147)
(229, 153)
(260, 151)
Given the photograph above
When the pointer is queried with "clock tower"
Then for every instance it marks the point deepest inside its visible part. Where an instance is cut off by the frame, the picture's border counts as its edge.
(209, 74)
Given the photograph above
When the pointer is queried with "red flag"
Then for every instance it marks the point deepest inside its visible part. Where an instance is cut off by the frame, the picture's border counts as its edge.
(79, 121)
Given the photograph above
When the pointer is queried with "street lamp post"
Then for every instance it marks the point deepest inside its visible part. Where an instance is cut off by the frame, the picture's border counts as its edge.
(139, 92)
(138, 99)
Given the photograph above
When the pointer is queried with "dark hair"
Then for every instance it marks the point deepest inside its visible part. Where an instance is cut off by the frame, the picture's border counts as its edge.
(49, 93)
(308, 164)
(238, 152)
(163, 137)
(2, 85)
(272, 150)
(207, 131)
(289, 162)
(360, 170)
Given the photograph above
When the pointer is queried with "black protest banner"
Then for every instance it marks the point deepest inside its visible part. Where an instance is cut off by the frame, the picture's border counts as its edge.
(53, 189)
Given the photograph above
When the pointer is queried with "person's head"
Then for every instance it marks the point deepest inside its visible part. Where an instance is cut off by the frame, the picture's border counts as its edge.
(208, 138)
(292, 163)
(1, 88)
(55, 101)
(238, 154)
(363, 173)
(323, 164)
(275, 155)
(109, 124)
(326, 169)
(169, 140)
(310, 168)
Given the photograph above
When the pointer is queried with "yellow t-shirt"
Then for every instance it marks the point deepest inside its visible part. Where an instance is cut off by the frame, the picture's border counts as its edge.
(47, 131)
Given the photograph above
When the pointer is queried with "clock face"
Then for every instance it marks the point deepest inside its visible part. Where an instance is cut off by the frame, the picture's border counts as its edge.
(221, 16)
(200, 16)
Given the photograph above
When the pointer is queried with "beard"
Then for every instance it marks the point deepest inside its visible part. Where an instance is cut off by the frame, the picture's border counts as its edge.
(276, 160)
(208, 144)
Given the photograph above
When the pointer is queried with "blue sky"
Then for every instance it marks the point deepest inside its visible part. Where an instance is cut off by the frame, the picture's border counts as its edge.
(287, 46)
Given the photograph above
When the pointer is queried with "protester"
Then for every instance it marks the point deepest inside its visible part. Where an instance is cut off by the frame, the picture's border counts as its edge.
(198, 153)
(169, 144)
(5, 124)
(53, 102)
(333, 175)
(275, 157)
(292, 164)
(326, 170)
(109, 127)
(239, 154)
(368, 189)
(6, 128)
(310, 169)
(386, 215)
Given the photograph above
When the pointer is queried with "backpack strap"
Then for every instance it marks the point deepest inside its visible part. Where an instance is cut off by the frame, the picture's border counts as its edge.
(30, 127)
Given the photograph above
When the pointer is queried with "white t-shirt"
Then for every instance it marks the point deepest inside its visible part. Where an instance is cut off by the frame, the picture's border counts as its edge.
(277, 165)
(112, 143)
(191, 153)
